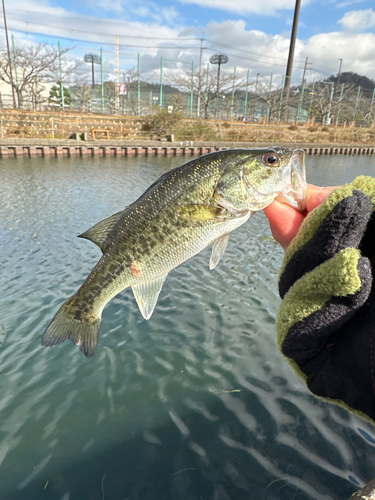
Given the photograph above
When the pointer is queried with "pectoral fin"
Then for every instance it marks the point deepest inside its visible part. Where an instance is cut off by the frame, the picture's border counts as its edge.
(218, 250)
(98, 233)
(234, 212)
(146, 295)
(201, 212)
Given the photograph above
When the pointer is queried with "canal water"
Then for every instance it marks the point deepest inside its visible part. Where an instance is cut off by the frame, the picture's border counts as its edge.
(194, 404)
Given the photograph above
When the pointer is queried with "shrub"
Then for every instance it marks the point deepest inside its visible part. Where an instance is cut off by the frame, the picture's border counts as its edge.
(197, 130)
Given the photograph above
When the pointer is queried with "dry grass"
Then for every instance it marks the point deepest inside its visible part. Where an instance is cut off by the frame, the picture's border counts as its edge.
(61, 125)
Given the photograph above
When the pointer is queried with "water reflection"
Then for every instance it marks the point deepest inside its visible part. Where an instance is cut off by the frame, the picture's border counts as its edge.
(193, 404)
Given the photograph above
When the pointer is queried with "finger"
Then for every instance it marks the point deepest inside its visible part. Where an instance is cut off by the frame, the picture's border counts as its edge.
(284, 221)
(315, 195)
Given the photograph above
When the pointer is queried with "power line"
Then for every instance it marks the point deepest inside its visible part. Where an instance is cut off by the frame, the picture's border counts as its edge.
(104, 43)
(124, 45)
(254, 60)
(97, 33)
(246, 51)
(140, 38)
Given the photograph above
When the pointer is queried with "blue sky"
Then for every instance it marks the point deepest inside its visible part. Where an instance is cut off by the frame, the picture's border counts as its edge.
(255, 34)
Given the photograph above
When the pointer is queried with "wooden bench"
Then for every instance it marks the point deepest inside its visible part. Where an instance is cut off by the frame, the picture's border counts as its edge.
(100, 131)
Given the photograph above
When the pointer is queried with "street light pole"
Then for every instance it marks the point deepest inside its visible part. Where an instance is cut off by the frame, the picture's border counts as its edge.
(9, 59)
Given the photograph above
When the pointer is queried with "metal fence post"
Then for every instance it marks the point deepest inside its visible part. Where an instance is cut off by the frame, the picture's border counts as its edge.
(61, 82)
(356, 103)
(101, 76)
(139, 86)
(161, 82)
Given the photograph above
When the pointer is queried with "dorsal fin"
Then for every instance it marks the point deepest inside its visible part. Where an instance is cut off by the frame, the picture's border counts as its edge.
(98, 234)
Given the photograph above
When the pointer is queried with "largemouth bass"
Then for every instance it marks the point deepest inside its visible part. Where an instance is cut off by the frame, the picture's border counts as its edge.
(187, 209)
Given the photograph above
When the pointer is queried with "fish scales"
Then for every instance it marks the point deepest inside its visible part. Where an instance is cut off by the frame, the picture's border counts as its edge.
(180, 214)
(140, 240)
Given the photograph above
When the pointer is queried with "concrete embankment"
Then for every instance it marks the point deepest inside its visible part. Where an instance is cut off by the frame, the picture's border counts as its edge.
(61, 147)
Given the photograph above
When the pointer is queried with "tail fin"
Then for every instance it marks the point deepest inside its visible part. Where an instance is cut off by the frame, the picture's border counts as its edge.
(65, 326)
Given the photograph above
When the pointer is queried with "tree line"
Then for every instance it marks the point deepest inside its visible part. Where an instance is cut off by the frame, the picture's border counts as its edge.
(345, 98)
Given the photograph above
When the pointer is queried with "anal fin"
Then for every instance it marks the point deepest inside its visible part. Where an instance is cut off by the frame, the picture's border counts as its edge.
(218, 250)
(147, 294)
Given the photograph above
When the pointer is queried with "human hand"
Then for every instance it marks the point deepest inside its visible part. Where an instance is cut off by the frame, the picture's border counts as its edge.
(326, 322)
(285, 220)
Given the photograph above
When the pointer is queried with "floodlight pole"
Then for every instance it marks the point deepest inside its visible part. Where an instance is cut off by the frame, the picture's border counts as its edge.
(93, 59)
(218, 59)
(9, 59)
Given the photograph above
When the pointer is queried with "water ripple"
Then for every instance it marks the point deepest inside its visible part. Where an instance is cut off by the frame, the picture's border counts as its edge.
(195, 403)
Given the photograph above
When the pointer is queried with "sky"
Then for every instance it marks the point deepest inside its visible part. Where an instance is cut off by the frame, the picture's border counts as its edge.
(254, 34)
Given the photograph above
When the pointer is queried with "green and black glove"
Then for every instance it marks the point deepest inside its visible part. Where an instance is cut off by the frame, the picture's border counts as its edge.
(326, 322)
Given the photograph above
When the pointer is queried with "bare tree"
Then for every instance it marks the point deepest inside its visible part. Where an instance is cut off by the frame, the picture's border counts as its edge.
(363, 111)
(272, 102)
(81, 92)
(323, 103)
(207, 90)
(129, 76)
(34, 64)
(35, 91)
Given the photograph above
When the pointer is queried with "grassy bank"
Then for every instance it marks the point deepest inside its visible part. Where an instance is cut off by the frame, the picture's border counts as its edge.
(54, 125)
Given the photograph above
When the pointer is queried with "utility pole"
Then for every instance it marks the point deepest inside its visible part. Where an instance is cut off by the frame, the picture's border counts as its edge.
(200, 78)
(289, 68)
(304, 71)
(302, 89)
(9, 59)
(338, 77)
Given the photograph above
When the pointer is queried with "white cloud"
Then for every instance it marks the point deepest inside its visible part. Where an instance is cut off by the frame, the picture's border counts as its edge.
(358, 20)
(26, 16)
(356, 50)
(247, 49)
(347, 3)
(244, 7)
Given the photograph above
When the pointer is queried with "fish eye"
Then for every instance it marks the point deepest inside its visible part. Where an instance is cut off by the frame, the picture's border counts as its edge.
(271, 159)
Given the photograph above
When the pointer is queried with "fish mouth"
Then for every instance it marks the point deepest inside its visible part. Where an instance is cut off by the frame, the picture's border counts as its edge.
(294, 181)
